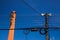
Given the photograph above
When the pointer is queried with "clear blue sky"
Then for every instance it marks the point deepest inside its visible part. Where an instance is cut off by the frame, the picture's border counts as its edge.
(27, 17)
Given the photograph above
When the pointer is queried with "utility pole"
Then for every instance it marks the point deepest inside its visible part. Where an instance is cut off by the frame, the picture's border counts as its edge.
(12, 25)
(46, 24)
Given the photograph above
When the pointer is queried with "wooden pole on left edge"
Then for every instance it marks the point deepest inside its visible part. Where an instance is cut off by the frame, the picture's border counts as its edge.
(12, 25)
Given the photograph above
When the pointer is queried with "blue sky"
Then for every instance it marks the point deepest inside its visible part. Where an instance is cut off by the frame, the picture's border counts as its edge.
(27, 17)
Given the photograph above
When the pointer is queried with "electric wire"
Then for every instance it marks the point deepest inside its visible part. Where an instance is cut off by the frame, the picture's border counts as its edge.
(30, 6)
(33, 28)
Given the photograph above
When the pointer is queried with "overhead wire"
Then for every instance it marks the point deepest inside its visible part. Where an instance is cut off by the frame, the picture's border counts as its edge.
(30, 28)
(30, 6)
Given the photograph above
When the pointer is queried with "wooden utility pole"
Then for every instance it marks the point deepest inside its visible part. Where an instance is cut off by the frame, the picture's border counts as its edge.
(46, 24)
(12, 25)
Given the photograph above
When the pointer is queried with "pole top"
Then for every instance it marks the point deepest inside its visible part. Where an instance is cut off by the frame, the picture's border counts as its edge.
(13, 11)
(43, 14)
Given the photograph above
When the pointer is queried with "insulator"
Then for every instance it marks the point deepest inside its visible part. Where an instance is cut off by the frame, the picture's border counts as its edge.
(42, 31)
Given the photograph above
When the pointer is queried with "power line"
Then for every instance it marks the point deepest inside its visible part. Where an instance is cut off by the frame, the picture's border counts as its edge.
(30, 6)
(33, 28)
